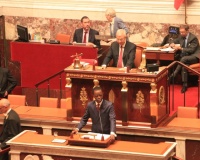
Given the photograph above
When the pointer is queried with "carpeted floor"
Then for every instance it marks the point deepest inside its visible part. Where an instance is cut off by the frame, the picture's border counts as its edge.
(189, 99)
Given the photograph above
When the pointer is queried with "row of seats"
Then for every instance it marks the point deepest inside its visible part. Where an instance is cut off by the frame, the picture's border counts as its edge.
(44, 101)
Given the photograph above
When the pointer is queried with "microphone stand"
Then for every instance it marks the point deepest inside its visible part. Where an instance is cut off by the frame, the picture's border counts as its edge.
(102, 137)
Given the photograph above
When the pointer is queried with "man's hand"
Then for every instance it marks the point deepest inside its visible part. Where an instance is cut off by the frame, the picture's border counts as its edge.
(6, 93)
(103, 66)
(75, 131)
(112, 138)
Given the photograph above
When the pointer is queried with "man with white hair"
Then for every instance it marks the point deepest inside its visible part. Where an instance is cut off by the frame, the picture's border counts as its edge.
(11, 126)
(121, 51)
(115, 22)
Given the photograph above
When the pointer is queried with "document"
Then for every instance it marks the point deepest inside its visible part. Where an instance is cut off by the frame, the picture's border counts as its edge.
(96, 136)
(169, 49)
(153, 48)
(56, 140)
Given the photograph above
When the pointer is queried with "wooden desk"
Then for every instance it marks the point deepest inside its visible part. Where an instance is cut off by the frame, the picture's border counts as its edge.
(187, 138)
(29, 143)
(185, 123)
(137, 96)
(159, 55)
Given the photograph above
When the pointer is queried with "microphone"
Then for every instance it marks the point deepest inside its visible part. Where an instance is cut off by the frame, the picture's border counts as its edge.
(102, 137)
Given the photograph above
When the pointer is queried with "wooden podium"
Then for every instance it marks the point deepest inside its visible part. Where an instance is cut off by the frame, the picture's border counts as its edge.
(138, 97)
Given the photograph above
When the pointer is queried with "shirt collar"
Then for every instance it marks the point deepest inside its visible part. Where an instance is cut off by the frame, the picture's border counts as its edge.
(122, 45)
(99, 103)
(6, 114)
(112, 21)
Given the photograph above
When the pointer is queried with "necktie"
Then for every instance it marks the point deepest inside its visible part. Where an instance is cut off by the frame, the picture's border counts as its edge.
(84, 38)
(98, 106)
(119, 63)
(111, 32)
(184, 42)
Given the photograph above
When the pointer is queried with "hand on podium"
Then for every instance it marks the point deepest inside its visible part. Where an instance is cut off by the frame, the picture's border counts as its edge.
(112, 138)
(74, 131)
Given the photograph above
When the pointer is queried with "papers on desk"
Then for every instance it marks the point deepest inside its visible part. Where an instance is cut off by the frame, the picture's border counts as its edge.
(56, 140)
(169, 49)
(153, 48)
(96, 136)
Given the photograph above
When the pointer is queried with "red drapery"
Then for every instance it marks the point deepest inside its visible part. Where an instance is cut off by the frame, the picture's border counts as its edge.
(177, 3)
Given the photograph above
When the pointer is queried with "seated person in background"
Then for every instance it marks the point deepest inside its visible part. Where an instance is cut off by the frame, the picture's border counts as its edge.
(7, 82)
(115, 22)
(122, 52)
(102, 114)
(86, 34)
(173, 33)
(188, 51)
(11, 126)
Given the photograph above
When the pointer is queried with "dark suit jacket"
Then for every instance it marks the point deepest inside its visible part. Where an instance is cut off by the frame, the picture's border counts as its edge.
(192, 47)
(119, 24)
(7, 81)
(78, 36)
(11, 128)
(107, 114)
(128, 55)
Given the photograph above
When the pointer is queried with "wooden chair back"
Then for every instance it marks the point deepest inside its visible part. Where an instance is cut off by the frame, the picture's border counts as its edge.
(63, 38)
(187, 112)
(48, 102)
(17, 99)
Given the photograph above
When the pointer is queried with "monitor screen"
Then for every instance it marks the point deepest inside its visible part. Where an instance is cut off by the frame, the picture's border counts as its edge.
(173, 30)
(22, 33)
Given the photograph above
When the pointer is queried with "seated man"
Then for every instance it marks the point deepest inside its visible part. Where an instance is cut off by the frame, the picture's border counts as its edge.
(11, 126)
(122, 52)
(7, 82)
(188, 51)
(86, 34)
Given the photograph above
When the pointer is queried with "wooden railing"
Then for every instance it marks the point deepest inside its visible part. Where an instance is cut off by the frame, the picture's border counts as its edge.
(47, 81)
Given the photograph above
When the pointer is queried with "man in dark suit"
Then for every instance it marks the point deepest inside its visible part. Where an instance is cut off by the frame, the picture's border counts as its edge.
(102, 114)
(7, 82)
(115, 22)
(86, 34)
(11, 126)
(121, 51)
(188, 52)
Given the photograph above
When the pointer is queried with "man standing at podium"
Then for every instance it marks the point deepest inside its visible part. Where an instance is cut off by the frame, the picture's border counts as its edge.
(102, 114)
(86, 34)
(122, 52)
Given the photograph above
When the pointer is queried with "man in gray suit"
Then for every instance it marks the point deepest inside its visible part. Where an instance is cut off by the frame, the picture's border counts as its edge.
(102, 114)
(115, 22)
(188, 52)
(121, 51)
(86, 34)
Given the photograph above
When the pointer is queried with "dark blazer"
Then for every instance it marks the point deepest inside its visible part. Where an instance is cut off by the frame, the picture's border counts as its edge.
(119, 24)
(78, 36)
(7, 81)
(192, 47)
(11, 127)
(128, 55)
(107, 114)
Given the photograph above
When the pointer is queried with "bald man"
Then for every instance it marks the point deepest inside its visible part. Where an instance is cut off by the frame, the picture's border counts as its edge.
(121, 51)
(11, 126)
